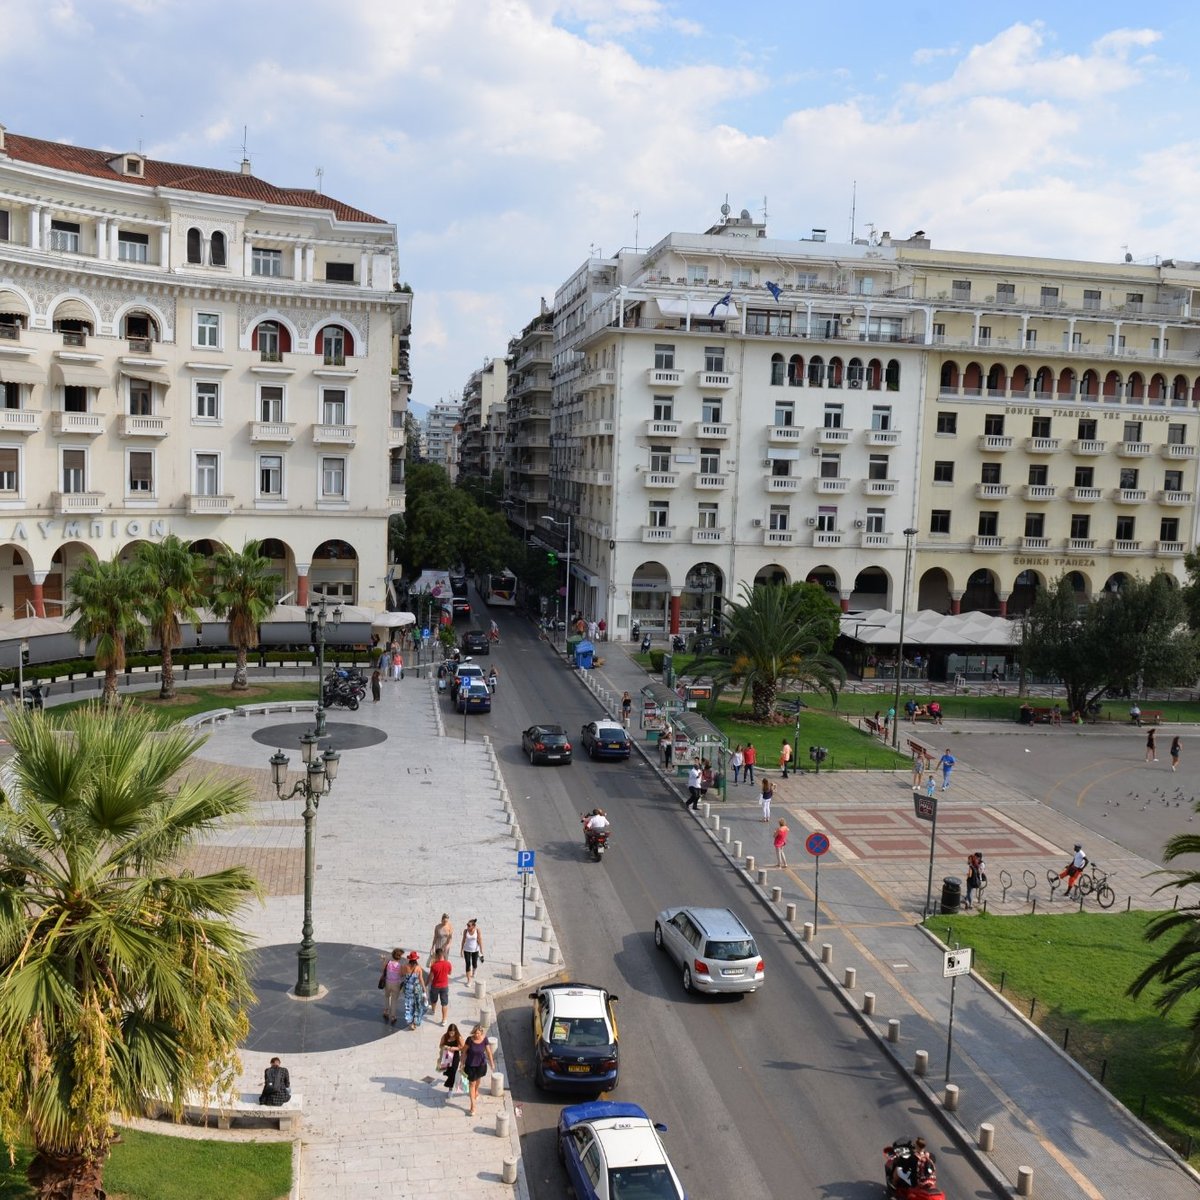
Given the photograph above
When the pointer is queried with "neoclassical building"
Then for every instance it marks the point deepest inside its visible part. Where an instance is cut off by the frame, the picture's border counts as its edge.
(199, 352)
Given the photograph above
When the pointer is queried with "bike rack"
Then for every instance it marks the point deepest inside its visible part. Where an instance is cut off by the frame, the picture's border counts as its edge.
(1030, 883)
(1005, 884)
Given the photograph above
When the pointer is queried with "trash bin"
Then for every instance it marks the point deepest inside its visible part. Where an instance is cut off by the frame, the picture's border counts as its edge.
(951, 895)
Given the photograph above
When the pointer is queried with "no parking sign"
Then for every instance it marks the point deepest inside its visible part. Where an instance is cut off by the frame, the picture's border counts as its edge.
(816, 844)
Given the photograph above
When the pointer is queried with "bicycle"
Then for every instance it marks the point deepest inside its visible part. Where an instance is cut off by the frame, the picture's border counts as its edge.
(1090, 880)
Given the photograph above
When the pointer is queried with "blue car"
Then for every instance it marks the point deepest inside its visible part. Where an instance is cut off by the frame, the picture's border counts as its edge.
(473, 696)
(612, 1149)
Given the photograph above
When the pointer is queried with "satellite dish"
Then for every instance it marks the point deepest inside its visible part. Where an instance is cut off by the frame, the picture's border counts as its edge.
(745, 214)
(1128, 256)
(725, 210)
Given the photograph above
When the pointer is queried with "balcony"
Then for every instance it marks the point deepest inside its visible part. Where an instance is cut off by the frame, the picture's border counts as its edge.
(281, 431)
(139, 427)
(714, 379)
(876, 539)
(1169, 549)
(596, 478)
(827, 537)
(783, 483)
(597, 379)
(660, 479)
(706, 537)
(67, 503)
(88, 424)
(1084, 495)
(1035, 543)
(717, 429)
(880, 487)
(396, 503)
(710, 481)
(1043, 445)
(1173, 496)
(662, 378)
(1039, 491)
(991, 491)
(1080, 545)
(657, 429)
(995, 441)
(605, 429)
(1133, 449)
(141, 345)
(1088, 447)
(833, 437)
(1126, 546)
(20, 420)
(395, 437)
(1175, 450)
(334, 435)
(1129, 495)
(208, 506)
(778, 537)
(883, 437)
(784, 435)
(833, 486)
(987, 543)
(657, 533)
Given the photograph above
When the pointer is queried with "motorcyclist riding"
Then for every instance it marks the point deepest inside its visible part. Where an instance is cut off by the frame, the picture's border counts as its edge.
(595, 828)
(909, 1170)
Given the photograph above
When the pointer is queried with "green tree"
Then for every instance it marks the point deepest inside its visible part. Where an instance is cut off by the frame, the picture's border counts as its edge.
(122, 977)
(766, 645)
(1191, 589)
(820, 610)
(174, 586)
(244, 595)
(105, 599)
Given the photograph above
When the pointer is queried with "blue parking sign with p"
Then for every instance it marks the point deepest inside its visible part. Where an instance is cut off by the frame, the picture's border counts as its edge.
(525, 862)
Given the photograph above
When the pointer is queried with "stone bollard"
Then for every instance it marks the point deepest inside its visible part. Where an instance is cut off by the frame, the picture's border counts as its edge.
(726, 831)
(827, 953)
(737, 849)
(502, 1125)
(516, 972)
(509, 1172)
(761, 878)
(789, 914)
(951, 1098)
(893, 1030)
(485, 1016)
(497, 1083)
(480, 989)
(508, 815)
(534, 893)
(921, 1065)
(516, 832)
(705, 809)
(1024, 1181)
(869, 1003)
(987, 1137)
(547, 933)
(555, 954)
(850, 978)
(808, 931)
(776, 895)
(539, 912)
(714, 821)
(749, 864)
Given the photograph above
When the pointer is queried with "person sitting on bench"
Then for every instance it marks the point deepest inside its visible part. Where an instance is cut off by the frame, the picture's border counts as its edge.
(277, 1085)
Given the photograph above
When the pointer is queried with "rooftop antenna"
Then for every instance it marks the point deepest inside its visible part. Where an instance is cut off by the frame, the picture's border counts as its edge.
(637, 212)
(142, 118)
(764, 210)
(853, 207)
(320, 178)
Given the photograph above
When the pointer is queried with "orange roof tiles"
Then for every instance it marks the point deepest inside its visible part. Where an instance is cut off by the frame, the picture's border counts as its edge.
(81, 161)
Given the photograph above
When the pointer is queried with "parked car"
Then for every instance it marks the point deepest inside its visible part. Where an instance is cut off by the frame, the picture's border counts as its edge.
(461, 671)
(716, 951)
(473, 696)
(546, 743)
(605, 739)
(612, 1149)
(574, 1037)
(475, 641)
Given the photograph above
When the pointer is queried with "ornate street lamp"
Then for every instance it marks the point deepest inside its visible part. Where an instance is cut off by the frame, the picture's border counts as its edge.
(320, 770)
(318, 617)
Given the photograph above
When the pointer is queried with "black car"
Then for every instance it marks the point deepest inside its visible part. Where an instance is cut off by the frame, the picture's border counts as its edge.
(574, 1037)
(475, 641)
(546, 744)
(460, 608)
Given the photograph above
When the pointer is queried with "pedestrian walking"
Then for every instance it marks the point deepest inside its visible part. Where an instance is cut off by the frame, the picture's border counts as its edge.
(765, 797)
(397, 665)
(974, 878)
(918, 769)
(707, 778)
(780, 842)
(440, 971)
(391, 976)
(472, 947)
(946, 762)
(626, 709)
(376, 686)
(930, 784)
(735, 762)
(785, 757)
(749, 758)
(1176, 748)
(695, 778)
(889, 717)
(413, 991)
(443, 935)
(1151, 746)
(668, 749)
(450, 1048)
(477, 1059)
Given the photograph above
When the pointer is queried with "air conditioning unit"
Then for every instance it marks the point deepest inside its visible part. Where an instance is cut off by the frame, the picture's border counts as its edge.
(767, 462)
(812, 520)
(856, 383)
(816, 452)
(757, 522)
(860, 524)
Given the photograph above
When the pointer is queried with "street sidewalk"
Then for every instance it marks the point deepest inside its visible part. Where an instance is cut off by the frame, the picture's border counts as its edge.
(1048, 1113)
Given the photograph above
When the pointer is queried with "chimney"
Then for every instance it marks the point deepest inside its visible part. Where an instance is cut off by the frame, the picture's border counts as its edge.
(246, 167)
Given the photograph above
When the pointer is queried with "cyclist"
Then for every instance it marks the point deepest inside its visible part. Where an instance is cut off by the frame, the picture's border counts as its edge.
(1072, 871)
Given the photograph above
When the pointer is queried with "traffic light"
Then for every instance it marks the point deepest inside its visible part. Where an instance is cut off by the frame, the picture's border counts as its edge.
(552, 558)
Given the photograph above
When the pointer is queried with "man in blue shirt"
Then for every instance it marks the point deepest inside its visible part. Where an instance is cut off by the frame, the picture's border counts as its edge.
(946, 762)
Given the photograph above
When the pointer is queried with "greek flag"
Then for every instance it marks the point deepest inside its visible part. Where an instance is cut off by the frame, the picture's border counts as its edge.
(774, 289)
(724, 301)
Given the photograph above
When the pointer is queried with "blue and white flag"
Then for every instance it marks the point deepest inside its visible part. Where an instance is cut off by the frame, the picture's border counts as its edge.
(774, 289)
(724, 301)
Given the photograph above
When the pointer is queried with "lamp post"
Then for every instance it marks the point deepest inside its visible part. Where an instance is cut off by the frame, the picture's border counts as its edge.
(706, 581)
(567, 595)
(909, 534)
(318, 616)
(320, 770)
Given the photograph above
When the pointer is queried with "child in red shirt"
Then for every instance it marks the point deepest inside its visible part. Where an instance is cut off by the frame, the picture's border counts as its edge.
(440, 971)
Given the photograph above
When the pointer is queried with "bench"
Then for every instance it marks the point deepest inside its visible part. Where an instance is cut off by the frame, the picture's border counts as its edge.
(915, 747)
(873, 726)
(1154, 717)
(227, 1109)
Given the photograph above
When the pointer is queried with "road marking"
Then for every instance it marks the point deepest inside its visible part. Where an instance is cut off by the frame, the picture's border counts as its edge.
(1023, 830)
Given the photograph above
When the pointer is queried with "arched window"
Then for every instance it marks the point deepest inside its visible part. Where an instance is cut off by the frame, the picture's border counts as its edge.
(194, 250)
(854, 373)
(892, 375)
(816, 371)
(335, 343)
(216, 250)
(795, 371)
(777, 370)
(272, 340)
(949, 382)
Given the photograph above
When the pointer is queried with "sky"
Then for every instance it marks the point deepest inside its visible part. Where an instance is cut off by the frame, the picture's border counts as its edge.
(509, 139)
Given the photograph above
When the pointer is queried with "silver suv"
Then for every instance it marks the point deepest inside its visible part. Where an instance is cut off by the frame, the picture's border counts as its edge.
(714, 948)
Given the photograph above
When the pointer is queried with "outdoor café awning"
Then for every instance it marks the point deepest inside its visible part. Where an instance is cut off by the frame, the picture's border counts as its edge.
(879, 627)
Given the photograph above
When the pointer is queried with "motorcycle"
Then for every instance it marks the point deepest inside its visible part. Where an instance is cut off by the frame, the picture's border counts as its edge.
(646, 644)
(635, 631)
(595, 840)
(922, 1170)
(678, 643)
(340, 695)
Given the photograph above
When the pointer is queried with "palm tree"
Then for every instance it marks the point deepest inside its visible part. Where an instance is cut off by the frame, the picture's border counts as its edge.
(105, 596)
(245, 590)
(173, 589)
(768, 642)
(1177, 968)
(122, 976)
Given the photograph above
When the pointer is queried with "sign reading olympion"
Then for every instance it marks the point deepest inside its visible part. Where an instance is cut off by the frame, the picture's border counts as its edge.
(94, 527)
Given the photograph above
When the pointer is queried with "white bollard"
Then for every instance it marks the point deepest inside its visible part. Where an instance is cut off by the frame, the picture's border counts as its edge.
(827, 953)
(508, 1173)
(761, 878)
(714, 820)
(555, 954)
(547, 933)
(869, 1003)
(737, 849)
(850, 978)
(893, 1030)
(808, 931)
(951, 1098)
(776, 895)
(987, 1137)
(921, 1065)
(480, 989)
(516, 971)
(485, 1016)
(726, 832)
(749, 864)
(1024, 1181)
(497, 1083)
(789, 914)
(502, 1125)
(539, 912)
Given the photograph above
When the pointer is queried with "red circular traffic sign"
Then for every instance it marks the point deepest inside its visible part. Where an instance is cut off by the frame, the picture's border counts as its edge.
(816, 844)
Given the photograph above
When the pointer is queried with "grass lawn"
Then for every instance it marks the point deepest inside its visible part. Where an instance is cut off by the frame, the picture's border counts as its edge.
(151, 1166)
(1077, 967)
(190, 699)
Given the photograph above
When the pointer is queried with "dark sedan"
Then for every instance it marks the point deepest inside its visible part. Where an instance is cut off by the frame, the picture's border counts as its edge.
(546, 744)
(605, 739)
(574, 1037)
(475, 641)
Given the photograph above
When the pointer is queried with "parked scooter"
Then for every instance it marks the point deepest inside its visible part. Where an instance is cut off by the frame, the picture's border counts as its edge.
(678, 643)
(646, 644)
(340, 695)
(635, 631)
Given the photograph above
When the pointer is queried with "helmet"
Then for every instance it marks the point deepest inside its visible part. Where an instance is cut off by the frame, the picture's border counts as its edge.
(1078, 845)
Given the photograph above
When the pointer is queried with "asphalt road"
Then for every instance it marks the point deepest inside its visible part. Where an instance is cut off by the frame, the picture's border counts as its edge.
(777, 1094)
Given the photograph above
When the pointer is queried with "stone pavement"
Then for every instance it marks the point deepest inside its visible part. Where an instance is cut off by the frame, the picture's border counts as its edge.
(1048, 1113)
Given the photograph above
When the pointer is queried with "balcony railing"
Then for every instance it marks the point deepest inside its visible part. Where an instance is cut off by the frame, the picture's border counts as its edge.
(1039, 491)
(883, 437)
(1035, 543)
(782, 483)
(74, 337)
(880, 487)
(1129, 495)
(1169, 549)
(1133, 449)
(20, 420)
(991, 491)
(89, 424)
(833, 437)
(662, 428)
(784, 434)
(1088, 446)
(714, 379)
(988, 542)
(707, 536)
(1084, 495)
(876, 539)
(204, 505)
(141, 345)
(1043, 445)
(66, 503)
(334, 435)
(1080, 545)
(995, 441)
(1178, 450)
(660, 479)
(280, 431)
(833, 485)
(778, 537)
(663, 378)
(827, 537)
(712, 430)
(10, 333)
(1174, 496)
(658, 533)
(138, 426)
(710, 481)
(1126, 546)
